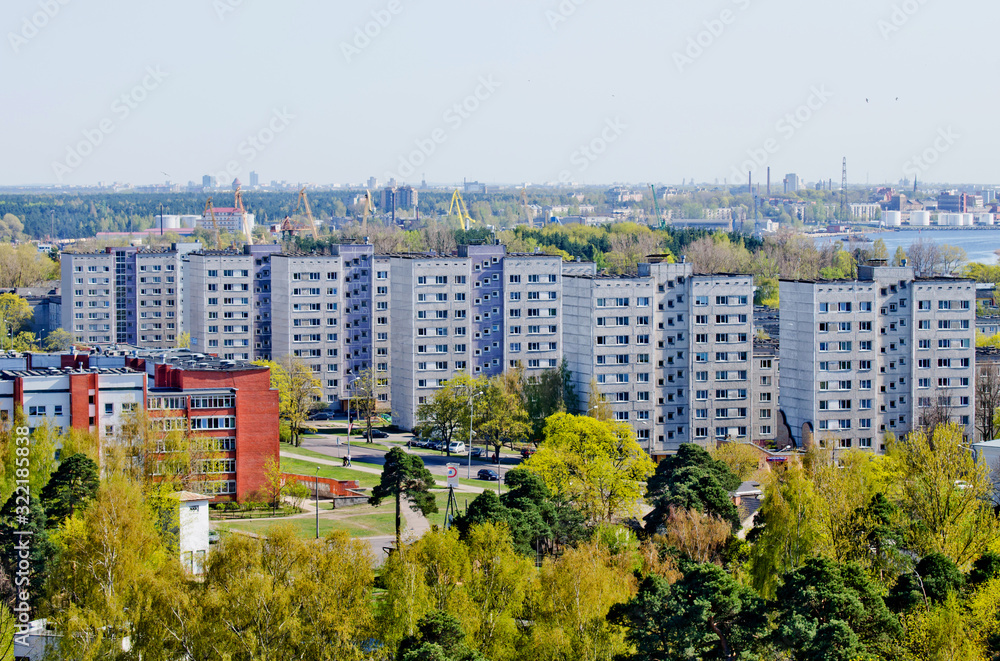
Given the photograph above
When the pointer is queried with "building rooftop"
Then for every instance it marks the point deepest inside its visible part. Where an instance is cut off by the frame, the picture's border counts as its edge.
(57, 371)
(188, 496)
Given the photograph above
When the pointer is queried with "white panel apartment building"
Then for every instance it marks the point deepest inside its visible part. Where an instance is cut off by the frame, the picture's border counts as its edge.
(860, 359)
(217, 303)
(688, 337)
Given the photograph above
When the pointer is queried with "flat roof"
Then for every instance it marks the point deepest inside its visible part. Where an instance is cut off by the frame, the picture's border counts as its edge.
(61, 371)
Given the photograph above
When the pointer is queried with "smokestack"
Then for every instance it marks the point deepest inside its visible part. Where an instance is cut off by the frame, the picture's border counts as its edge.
(750, 182)
(769, 181)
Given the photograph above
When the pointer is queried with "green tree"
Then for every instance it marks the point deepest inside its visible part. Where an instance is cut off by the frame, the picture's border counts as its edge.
(70, 488)
(598, 466)
(183, 341)
(931, 581)
(828, 611)
(14, 313)
(59, 340)
(945, 493)
(23, 514)
(365, 399)
(299, 392)
(446, 413)
(899, 257)
(548, 393)
(499, 413)
(692, 479)
(404, 475)
(705, 615)
(439, 637)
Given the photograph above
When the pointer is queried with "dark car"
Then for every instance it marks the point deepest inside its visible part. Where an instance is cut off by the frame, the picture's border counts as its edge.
(322, 415)
(478, 452)
(487, 474)
(527, 452)
(378, 433)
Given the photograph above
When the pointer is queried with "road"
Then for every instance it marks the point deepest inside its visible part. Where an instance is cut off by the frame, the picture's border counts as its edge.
(334, 445)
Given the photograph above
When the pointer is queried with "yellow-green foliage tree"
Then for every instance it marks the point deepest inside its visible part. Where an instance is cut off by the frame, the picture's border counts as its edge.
(298, 391)
(946, 493)
(569, 606)
(596, 465)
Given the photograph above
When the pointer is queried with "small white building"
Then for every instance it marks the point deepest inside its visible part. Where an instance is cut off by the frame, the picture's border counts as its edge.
(192, 517)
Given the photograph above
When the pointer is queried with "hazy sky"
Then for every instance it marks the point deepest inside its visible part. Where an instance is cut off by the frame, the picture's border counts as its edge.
(589, 91)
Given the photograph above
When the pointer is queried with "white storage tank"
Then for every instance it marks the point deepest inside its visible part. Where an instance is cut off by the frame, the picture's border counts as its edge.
(985, 219)
(968, 219)
(190, 221)
(167, 222)
(920, 218)
(892, 218)
(950, 219)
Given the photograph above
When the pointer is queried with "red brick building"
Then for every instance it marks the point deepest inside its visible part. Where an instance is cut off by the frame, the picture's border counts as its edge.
(231, 403)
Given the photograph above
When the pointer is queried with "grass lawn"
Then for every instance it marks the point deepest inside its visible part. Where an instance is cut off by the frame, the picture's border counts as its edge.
(361, 521)
(308, 468)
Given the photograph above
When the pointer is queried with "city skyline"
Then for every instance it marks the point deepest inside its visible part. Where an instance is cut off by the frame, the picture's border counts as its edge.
(557, 92)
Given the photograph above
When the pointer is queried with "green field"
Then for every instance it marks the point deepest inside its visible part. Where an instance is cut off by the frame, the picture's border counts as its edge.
(362, 521)
(308, 468)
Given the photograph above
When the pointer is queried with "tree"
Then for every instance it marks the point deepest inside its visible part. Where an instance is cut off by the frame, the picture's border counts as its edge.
(59, 340)
(365, 399)
(21, 514)
(951, 258)
(597, 408)
(705, 615)
(499, 413)
(598, 466)
(691, 479)
(700, 537)
(299, 391)
(446, 414)
(899, 257)
(786, 531)
(570, 605)
(14, 312)
(439, 637)
(548, 393)
(743, 459)
(183, 341)
(987, 399)
(73, 484)
(274, 483)
(828, 611)
(946, 494)
(404, 475)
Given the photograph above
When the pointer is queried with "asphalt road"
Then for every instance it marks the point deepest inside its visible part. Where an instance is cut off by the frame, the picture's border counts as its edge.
(436, 462)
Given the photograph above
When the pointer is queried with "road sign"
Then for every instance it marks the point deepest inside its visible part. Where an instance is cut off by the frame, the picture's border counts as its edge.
(452, 475)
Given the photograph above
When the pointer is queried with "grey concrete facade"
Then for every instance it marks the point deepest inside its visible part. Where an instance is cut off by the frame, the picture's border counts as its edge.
(884, 353)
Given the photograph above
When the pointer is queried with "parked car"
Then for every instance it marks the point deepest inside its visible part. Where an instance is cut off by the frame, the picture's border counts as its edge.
(527, 452)
(378, 433)
(457, 447)
(478, 453)
(487, 474)
(321, 415)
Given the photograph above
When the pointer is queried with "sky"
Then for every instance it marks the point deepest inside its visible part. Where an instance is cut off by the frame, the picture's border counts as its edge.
(499, 91)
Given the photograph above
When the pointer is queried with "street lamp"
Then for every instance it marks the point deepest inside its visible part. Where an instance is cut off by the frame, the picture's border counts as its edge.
(348, 423)
(317, 502)
(472, 400)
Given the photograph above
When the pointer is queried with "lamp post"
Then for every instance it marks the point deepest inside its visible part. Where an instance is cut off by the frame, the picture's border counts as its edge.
(472, 401)
(348, 424)
(317, 502)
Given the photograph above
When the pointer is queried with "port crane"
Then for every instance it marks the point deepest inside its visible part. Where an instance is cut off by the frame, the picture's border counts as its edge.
(458, 205)
(304, 202)
(210, 212)
(243, 215)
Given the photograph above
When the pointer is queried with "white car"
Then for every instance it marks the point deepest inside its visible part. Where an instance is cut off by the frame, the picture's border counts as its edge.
(456, 447)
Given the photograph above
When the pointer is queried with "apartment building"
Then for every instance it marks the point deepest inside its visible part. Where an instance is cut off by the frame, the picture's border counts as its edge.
(687, 336)
(217, 303)
(479, 311)
(72, 397)
(884, 353)
(230, 407)
(764, 392)
(125, 295)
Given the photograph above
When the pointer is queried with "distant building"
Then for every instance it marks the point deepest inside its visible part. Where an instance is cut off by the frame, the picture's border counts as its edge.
(952, 202)
(474, 187)
(406, 197)
(866, 212)
(208, 181)
(229, 219)
(792, 183)
(372, 183)
(254, 180)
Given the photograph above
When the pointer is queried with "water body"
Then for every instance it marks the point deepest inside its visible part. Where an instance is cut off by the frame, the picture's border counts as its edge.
(978, 244)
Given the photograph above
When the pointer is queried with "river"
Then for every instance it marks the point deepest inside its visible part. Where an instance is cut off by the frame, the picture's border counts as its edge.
(978, 244)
